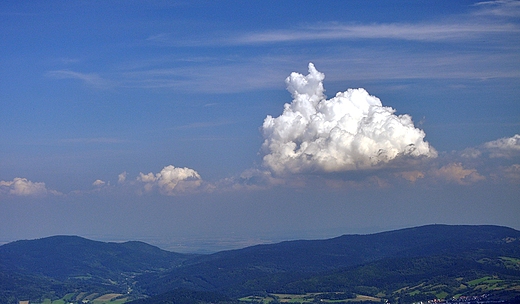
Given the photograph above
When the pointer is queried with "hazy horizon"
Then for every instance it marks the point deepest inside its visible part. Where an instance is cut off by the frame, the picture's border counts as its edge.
(208, 245)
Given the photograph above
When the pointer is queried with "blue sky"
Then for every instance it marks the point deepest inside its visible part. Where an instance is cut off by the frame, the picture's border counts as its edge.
(201, 125)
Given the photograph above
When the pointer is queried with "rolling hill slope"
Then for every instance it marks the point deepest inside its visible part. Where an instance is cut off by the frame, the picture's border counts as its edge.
(53, 266)
(66, 257)
(234, 271)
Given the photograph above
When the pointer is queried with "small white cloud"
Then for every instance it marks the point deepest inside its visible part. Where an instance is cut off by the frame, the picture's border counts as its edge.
(411, 176)
(512, 173)
(171, 180)
(456, 173)
(251, 179)
(24, 187)
(121, 178)
(98, 183)
(471, 153)
(351, 131)
(504, 147)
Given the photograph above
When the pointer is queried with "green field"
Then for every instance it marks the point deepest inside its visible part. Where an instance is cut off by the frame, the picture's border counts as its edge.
(441, 289)
(94, 298)
(458, 287)
(305, 298)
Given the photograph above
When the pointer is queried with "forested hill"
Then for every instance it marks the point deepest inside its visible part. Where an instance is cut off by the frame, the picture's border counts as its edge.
(348, 250)
(64, 257)
(231, 271)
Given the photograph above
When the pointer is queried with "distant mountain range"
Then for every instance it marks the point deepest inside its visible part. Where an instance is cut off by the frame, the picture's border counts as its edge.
(407, 265)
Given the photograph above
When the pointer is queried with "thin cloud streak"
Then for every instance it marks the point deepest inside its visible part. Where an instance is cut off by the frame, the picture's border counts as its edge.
(468, 37)
(414, 32)
(219, 78)
(348, 64)
(501, 8)
(97, 140)
(199, 125)
(91, 79)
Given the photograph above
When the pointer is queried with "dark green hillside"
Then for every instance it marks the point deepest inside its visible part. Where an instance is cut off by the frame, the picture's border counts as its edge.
(348, 250)
(13, 284)
(240, 271)
(418, 275)
(65, 257)
(53, 266)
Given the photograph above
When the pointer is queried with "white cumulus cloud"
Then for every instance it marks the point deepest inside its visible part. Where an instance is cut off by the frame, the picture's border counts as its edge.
(98, 183)
(512, 173)
(23, 187)
(171, 180)
(504, 147)
(456, 173)
(350, 131)
(121, 178)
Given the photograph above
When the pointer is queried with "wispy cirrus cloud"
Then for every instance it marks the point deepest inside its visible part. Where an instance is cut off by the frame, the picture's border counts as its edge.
(459, 28)
(215, 77)
(501, 8)
(94, 140)
(396, 31)
(349, 63)
(234, 74)
(231, 73)
(207, 124)
(469, 27)
(91, 79)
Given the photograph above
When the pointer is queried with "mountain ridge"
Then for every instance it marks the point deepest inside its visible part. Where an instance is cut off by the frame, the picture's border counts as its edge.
(223, 270)
(64, 253)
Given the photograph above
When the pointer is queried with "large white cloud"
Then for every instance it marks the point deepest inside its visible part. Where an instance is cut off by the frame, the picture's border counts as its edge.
(23, 187)
(351, 131)
(171, 180)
